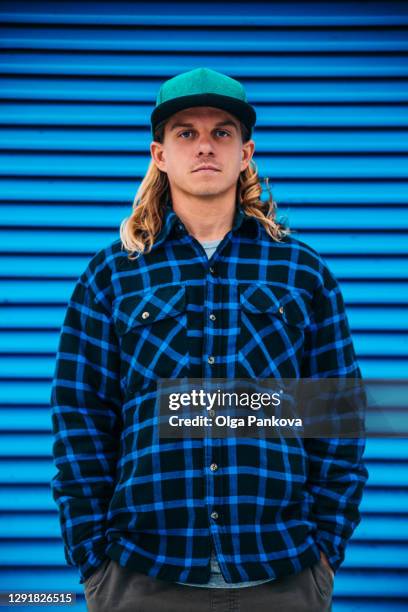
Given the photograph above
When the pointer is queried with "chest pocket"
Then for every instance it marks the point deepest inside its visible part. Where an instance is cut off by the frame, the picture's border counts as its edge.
(152, 327)
(272, 324)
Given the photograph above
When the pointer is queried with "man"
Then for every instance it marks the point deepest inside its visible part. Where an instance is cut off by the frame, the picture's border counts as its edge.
(204, 283)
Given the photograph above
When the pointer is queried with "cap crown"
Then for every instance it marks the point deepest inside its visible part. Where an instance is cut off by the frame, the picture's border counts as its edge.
(200, 81)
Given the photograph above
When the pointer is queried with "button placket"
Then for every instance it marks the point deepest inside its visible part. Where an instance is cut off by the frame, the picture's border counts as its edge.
(211, 300)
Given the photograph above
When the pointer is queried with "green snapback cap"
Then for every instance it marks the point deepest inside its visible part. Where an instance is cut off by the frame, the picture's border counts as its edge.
(202, 87)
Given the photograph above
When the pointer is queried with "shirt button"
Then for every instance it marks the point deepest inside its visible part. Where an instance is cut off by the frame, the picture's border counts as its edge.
(212, 270)
(213, 467)
(214, 515)
(211, 359)
(212, 317)
(145, 314)
(281, 309)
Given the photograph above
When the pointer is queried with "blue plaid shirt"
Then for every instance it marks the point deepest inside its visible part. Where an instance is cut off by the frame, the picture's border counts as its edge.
(256, 309)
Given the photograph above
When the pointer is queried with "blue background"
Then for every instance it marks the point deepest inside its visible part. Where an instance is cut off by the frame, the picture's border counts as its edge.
(78, 83)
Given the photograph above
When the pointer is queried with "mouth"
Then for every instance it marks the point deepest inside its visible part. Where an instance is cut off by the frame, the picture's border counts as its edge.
(207, 169)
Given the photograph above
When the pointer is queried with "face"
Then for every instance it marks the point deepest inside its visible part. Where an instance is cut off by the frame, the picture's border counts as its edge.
(202, 152)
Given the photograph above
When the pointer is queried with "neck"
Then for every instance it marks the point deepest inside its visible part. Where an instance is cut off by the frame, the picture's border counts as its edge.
(205, 218)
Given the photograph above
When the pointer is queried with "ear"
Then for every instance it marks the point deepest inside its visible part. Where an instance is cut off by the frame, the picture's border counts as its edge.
(247, 152)
(158, 156)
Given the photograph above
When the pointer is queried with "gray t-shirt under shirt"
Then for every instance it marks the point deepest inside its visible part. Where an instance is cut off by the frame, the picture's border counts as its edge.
(216, 580)
(210, 246)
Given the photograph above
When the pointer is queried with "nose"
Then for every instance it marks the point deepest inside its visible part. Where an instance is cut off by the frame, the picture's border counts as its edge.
(205, 146)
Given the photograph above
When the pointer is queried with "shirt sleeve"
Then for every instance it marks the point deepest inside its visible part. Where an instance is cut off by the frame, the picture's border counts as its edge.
(337, 473)
(85, 402)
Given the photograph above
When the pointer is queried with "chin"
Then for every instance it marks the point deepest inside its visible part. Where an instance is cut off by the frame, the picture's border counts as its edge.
(208, 190)
(207, 193)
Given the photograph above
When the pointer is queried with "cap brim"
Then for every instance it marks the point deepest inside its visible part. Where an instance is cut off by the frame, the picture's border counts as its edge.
(242, 110)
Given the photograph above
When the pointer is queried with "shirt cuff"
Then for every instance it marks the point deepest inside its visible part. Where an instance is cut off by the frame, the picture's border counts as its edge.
(91, 563)
(334, 553)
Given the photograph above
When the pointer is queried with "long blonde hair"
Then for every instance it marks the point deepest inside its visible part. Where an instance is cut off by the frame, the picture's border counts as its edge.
(139, 230)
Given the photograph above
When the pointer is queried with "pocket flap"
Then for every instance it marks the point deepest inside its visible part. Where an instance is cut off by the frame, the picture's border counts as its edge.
(271, 299)
(149, 306)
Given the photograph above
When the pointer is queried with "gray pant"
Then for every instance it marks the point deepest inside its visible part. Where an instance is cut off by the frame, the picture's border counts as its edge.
(113, 587)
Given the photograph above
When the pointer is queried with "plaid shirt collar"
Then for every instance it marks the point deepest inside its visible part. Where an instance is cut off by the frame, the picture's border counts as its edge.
(173, 226)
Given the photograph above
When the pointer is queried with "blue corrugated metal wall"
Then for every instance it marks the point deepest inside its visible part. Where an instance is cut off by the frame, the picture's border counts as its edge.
(78, 80)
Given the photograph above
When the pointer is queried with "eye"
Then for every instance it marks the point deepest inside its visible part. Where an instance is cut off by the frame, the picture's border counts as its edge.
(223, 132)
(185, 132)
